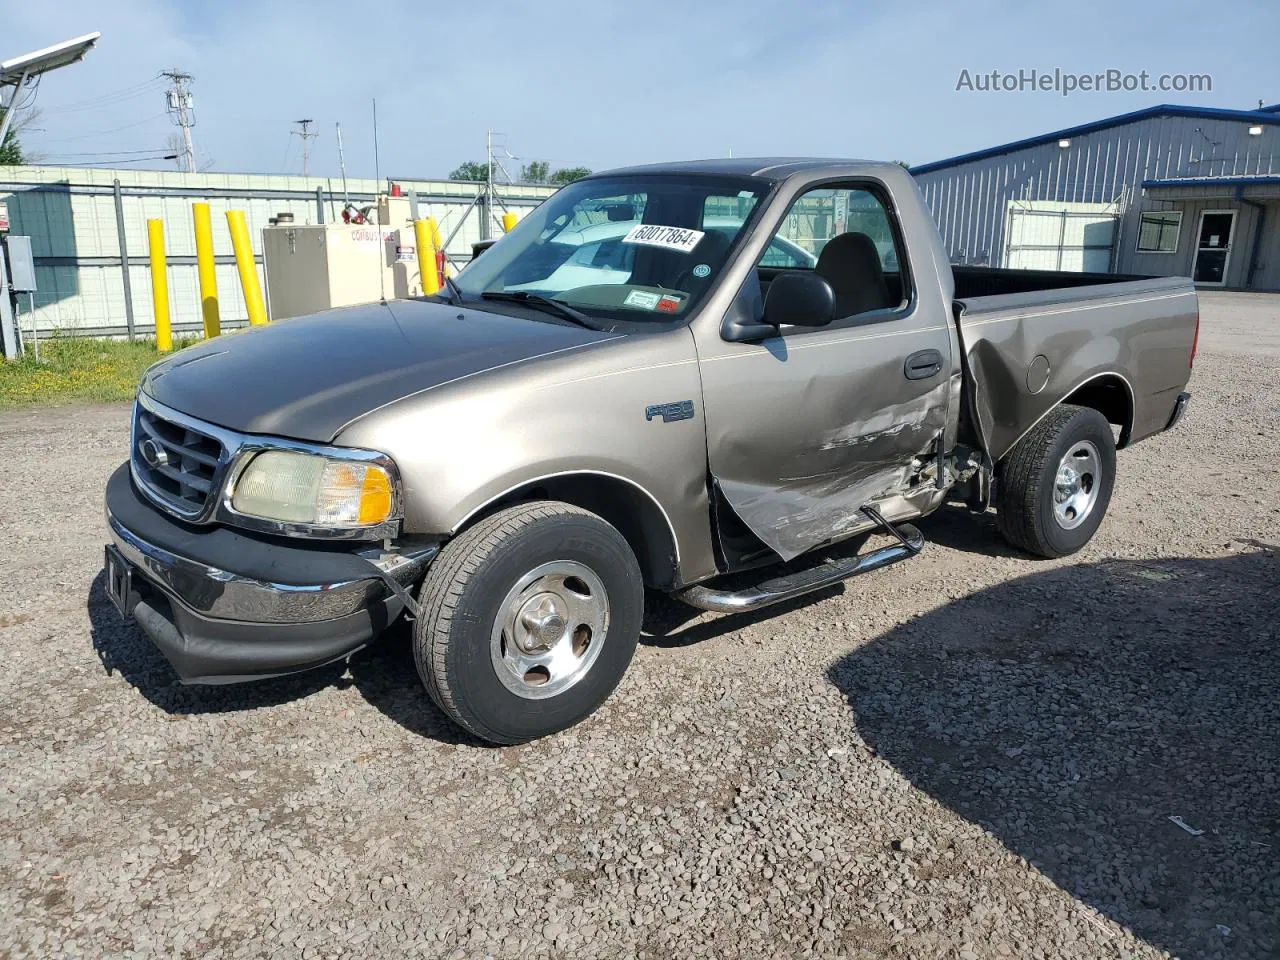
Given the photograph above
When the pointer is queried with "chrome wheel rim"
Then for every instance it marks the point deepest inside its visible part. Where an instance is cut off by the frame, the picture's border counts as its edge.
(1075, 488)
(550, 629)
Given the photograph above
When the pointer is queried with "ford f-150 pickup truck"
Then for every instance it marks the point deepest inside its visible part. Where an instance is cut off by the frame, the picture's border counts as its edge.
(692, 377)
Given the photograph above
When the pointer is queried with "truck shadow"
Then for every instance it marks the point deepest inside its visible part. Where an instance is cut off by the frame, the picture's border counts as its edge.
(384, 674)
(958, 528)
(668, 623)
(1071, 713)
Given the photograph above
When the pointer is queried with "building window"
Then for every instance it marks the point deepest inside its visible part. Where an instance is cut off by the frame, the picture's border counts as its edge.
(1158, 231)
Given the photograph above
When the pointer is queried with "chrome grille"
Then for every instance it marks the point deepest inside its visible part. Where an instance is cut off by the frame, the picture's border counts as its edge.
(177, 464)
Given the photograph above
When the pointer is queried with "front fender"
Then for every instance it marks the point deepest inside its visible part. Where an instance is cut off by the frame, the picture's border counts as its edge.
(464, 446)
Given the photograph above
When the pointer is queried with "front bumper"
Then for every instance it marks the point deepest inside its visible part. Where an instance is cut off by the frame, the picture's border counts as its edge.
(224, 605)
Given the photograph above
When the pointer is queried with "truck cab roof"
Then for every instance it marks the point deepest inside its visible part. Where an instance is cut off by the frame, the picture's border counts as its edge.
(768, 168)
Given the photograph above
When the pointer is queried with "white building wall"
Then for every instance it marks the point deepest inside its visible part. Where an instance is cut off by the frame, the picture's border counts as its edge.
(70, 215)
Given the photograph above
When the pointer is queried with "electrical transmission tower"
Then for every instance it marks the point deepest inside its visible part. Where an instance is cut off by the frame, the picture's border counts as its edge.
(181, 108)
(307, 136)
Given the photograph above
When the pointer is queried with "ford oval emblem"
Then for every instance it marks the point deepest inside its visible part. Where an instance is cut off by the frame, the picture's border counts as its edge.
(153, 454)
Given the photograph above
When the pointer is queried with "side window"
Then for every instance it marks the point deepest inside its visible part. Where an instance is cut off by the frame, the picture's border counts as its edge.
(863, 263)
(786, 255)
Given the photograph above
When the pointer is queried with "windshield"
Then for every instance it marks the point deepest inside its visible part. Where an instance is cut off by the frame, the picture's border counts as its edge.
(631, 248)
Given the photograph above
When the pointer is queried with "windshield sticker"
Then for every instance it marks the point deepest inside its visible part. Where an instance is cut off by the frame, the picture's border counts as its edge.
(669, 238)
(702, 270)
(668, 304)
(642, 299)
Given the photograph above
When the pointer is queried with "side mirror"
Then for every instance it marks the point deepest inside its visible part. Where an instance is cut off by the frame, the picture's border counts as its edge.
(800, 299)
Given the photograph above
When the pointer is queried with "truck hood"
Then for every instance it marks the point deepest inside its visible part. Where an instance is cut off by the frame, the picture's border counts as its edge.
(309, 377)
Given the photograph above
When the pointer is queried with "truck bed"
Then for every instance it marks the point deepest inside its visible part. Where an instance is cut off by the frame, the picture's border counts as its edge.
(1031, 346)
(993, 281)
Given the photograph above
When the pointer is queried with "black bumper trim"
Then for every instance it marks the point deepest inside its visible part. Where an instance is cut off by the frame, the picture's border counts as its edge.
(209, 651)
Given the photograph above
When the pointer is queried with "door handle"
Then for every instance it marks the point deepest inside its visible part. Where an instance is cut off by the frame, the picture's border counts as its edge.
(922, 365)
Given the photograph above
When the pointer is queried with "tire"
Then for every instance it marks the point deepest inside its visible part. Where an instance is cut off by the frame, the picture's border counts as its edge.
(1033, 512)
(529, 620)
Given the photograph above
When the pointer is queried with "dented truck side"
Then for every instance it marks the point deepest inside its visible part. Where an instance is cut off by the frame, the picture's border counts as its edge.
(663, 392)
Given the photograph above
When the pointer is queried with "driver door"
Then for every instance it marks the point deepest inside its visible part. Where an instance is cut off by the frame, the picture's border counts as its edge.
(806, 426)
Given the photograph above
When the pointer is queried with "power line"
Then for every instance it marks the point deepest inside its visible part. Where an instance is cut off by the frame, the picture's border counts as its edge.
(105, 153)
(108, 99)
(100, 133)
(114, 163)
(288, 150)
(181, 107)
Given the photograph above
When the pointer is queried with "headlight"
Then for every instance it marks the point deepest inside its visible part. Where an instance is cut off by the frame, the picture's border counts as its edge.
(307, 488)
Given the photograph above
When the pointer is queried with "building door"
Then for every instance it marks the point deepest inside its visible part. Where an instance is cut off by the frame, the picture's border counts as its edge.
(1213, 247)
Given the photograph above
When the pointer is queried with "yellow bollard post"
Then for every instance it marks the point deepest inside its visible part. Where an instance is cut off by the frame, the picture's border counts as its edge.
(426, 257)
(243, 247)
(204, 265)
(159, 285)
(508, 222)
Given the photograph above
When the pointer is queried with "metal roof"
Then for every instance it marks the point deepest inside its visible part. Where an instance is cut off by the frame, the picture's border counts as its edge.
(1267, 115)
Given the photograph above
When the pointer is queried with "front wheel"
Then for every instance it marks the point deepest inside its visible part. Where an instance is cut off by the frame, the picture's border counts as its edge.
(529, 620)
(1053, 488)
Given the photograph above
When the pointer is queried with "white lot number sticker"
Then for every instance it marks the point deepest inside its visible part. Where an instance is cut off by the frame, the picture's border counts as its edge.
(669, 238)
(642, 299)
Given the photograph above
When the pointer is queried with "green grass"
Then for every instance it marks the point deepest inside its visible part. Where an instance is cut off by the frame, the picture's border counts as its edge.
(78, 370)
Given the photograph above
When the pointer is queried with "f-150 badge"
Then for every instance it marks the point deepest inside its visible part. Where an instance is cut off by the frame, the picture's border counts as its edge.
(670, 412)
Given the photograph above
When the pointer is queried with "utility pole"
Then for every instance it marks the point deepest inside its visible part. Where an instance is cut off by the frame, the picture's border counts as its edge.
(307, 136)
(488, 185)
(181, 107)
(490, 193)
(342, 165)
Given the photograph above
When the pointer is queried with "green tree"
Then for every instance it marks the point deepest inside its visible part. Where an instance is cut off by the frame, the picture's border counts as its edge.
(568, 175)
(11, 149)
(471, 170)
(536, 171)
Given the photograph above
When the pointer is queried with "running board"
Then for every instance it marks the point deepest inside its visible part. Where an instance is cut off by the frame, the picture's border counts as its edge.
(791, 585)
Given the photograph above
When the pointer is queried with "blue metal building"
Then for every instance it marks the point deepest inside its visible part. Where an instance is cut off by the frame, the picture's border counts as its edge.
(1169, 190)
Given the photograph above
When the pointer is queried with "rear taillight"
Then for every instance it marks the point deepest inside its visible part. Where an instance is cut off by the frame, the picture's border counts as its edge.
(1195, 340)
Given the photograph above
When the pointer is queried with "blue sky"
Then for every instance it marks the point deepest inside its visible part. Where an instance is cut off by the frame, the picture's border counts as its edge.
(605, 84)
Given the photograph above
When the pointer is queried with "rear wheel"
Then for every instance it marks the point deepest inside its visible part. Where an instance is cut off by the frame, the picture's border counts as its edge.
(529, 620)
(1054, 487)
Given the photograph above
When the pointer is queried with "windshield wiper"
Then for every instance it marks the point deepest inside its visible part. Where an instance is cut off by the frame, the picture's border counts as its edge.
(455, 292)
(547, 304)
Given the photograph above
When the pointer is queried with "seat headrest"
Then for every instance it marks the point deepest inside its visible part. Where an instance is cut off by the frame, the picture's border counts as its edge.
(850, 250)
(850, 262)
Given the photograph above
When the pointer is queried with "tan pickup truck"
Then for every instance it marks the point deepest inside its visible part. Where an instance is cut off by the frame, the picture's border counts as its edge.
(661, 377)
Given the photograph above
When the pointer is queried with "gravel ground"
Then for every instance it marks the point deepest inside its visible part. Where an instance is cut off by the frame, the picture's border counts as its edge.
(974, 754)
